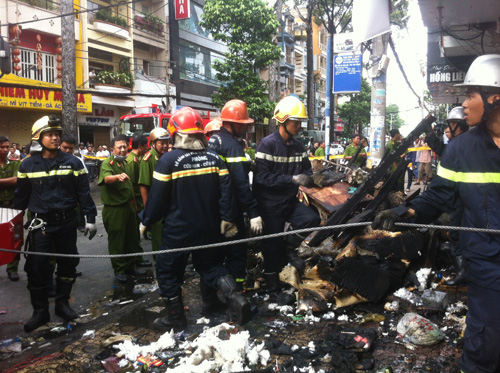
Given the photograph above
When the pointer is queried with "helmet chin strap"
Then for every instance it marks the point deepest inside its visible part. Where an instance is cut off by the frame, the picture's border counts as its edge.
(488, 108)
(286, 130)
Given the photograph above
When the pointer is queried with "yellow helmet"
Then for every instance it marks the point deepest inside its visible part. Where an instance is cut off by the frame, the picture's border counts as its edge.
(159, 134)
(290, 107)
(44, 124)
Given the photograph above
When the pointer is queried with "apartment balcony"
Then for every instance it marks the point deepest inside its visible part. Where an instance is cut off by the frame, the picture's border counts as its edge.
(148, 32)
(283, 35)
(111, 29)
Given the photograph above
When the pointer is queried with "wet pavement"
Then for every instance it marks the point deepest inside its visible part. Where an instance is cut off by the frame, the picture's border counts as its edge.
(359, 338)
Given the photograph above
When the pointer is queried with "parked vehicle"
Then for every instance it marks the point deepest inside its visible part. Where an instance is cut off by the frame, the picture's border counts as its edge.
(336, 149)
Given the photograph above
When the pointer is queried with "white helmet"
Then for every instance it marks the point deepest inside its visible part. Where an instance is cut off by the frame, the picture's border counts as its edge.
(456, 114)
(484, 72)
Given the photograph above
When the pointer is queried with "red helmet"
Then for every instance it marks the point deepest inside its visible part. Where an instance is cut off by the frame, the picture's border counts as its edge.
(185, 120)
(213, 125)
(235, 111)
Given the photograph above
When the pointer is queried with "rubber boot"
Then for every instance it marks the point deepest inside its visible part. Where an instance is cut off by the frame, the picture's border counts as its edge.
(51, 289)
(239, 309)
(275, 289)
(293, 241)
(41, 315)
(210, 301)
(459, 278)
(63, 291)
(175, 318)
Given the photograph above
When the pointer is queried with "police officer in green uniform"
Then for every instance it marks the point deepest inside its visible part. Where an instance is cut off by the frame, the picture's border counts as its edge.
(139, 148)
(119, 213)
(351, 150)
(160, 139)
(8, 179)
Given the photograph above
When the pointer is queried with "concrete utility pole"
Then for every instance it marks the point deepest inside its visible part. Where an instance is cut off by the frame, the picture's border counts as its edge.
(378, 107)
(68, 68)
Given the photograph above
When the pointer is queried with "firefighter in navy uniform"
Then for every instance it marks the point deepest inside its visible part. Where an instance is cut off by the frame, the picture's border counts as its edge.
(192, 192)
(51, 184)
(470, 171)
(234, 117)
(283, 166)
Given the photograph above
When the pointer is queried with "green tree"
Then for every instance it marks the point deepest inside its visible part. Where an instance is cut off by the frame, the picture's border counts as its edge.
(356, 113)
(248, 28)
(392, 118)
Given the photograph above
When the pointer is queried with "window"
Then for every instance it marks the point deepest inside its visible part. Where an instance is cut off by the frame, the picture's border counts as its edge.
(92, 10)
(30, 68)
(193, 24)
(196, 62)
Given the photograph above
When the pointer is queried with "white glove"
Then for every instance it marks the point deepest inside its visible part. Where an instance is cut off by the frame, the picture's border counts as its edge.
(228, 229)
(144, 231)
(256, 226)
(91, 229)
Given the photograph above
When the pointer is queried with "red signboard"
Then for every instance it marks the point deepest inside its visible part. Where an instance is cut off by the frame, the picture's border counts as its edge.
(182, 9)
(340, 126)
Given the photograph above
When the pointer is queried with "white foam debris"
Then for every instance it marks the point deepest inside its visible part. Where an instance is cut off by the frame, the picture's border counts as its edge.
(212, 353)
(329, 316)
(203, 320)
(131, 351)
(422, 276)
(343, 318)
(295, 348)
(311, 318)
(123, 363)
(89, 334)
(311, 346)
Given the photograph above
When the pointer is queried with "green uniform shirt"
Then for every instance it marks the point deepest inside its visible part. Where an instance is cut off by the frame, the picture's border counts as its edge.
(391, 145)
(320, 152)
(351, 150)
(147, 166)
(133, 165)
(9, 169)
(117, 193)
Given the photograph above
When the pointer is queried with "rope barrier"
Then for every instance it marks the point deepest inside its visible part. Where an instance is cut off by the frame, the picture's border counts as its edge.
(255, 239)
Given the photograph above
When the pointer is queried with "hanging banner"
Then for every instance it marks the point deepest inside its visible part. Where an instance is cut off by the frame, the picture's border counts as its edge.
(347, 73)
(182, 9)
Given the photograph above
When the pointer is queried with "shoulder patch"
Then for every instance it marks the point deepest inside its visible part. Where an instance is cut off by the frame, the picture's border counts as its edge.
(135, 159)
(111, 162)
(147, 156)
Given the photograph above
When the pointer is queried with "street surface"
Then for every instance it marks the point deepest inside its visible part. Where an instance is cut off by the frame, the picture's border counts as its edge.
(108, 310)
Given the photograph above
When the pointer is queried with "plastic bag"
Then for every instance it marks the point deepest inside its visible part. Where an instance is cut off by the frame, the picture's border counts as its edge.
(418, 330)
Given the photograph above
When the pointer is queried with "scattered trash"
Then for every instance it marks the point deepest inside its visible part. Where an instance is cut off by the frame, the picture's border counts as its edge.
(116, 339)
(203, 320)
(11, 345)
(58, 329)
(407, 295)
(392, 306)
(435, 299)
(89, 334)
(423, 276)
(371, 317)
(416, 329)
(3, 310)
(145, 288)
(113, 364)
(126, 302)
(149, 361)
(131, 351)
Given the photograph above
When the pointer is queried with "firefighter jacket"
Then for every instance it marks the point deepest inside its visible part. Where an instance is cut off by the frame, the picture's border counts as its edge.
(46, 185)
(277, 163)
(470, 171)
(192, 191)
(231, 152)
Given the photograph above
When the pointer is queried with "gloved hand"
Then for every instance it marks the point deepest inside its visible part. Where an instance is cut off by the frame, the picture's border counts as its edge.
(303, 180)
(385, 220)
(144, 231)
(228, 229)
(322, 180)
(256, 226)
(91, 229)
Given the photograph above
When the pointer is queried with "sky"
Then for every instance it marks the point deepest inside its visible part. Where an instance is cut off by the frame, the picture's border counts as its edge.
(411, 46)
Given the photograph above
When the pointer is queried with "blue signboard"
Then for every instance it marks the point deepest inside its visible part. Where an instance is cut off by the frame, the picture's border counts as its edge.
(347, 73)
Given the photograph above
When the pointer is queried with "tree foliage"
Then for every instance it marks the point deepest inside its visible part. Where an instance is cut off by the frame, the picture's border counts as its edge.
(356, 112)
(248, 28)
(392, 115)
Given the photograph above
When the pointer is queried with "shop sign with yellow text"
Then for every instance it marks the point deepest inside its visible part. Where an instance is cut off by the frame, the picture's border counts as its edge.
(41, 99)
